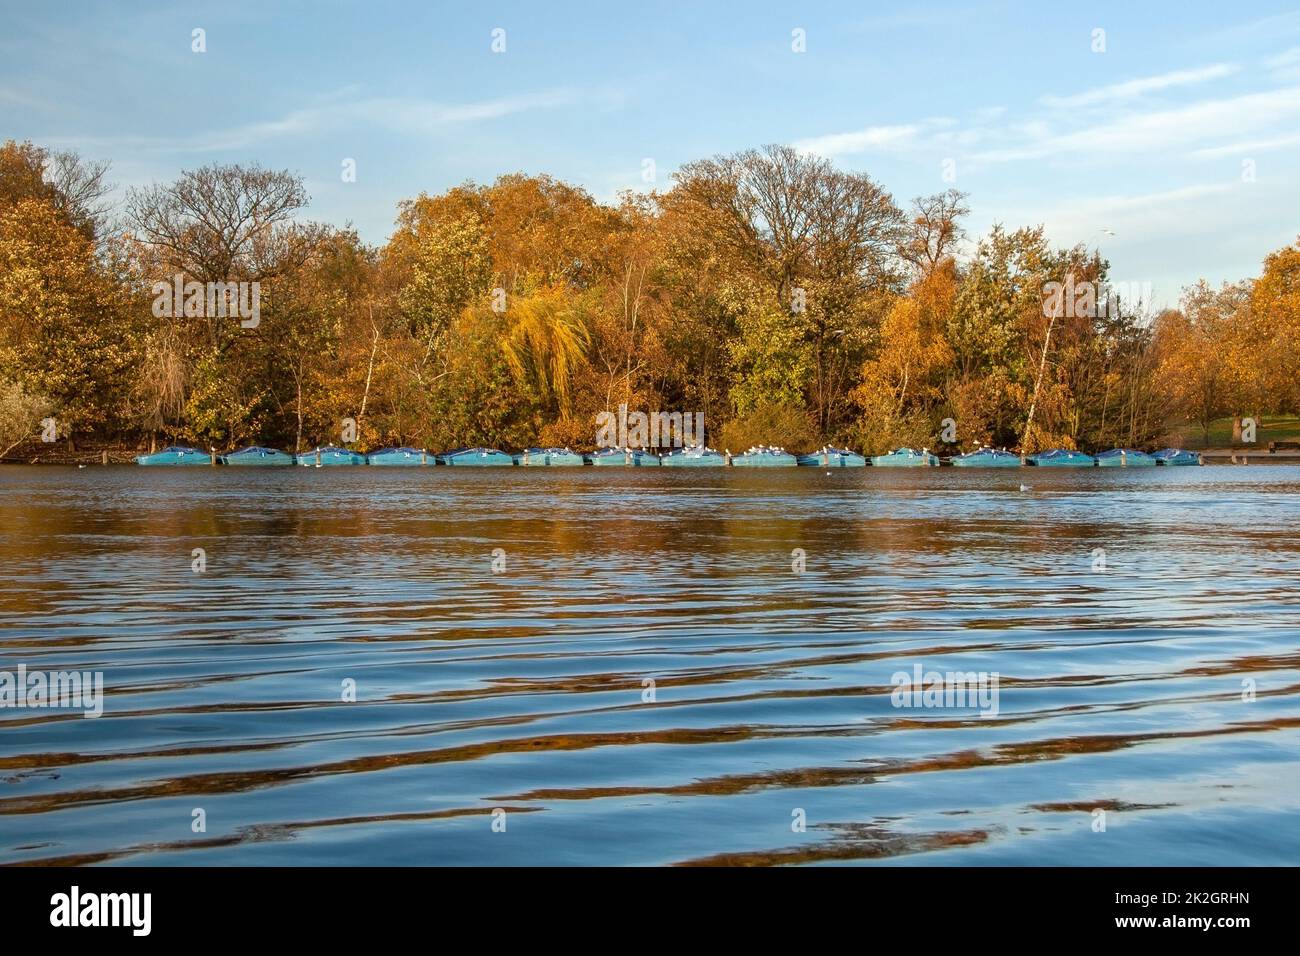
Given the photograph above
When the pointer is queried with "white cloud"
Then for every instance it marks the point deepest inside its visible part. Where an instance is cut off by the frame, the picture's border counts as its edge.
(1253, 146)
(403, 115)
(871, 139)
(1142, 133)
(1131, 89)
(1289, 57)
(882, 139)
(344, 111)
(1151, 232)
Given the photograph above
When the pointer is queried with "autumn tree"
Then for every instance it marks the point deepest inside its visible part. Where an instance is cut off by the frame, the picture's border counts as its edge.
(817, 241)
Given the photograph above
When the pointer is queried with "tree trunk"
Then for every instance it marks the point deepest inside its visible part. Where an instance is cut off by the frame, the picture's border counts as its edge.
(1236, 429)
(370, 371)
(1038, 383)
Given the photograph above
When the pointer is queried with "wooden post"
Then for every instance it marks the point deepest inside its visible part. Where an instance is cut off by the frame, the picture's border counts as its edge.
(105, 458)
(318, 457)
(213, 453)
(424, 456)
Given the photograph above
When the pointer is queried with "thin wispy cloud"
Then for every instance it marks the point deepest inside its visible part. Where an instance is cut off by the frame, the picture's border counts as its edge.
(413, 117)
(1142, 133)
(1131, 89)
(1199, 127)
(417, 118)
(1246, 148)
(1289, 57)
(870, 139)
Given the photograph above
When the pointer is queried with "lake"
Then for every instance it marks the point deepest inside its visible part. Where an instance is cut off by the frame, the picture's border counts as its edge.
(608, 666)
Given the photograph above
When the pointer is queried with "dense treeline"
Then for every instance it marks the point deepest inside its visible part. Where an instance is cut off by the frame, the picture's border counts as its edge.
(790, 302)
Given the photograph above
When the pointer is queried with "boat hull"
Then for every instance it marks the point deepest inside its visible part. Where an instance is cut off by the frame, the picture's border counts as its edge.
(400, 458)
(268, 458)
(832, 460)
(1177, 458)
(763, 460)
(190, 457)
(904, 461)
(1076, 460)
(478, 458)
(1128, 461)
(636, 459)
(329, 459)
(693, 461)
(986, 461)
(549, 459)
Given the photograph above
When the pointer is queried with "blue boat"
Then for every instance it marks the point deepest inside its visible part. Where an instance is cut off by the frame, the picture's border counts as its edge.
(830, 457)
(176, 455)
(534, 457)
(906, 458)
(476, 457)
(1177, 456)
(986, 457)
(258, 457)
(764, 457)
(400, 457)
(623, 457)
(1125, 458)
(696, 456)
(1062, 458)
(329, 455)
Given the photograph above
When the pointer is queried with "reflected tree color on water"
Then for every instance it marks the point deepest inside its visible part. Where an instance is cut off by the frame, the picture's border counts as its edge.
(1121, 691)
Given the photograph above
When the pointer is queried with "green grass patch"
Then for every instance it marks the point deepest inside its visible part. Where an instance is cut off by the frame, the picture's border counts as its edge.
(1270, 428)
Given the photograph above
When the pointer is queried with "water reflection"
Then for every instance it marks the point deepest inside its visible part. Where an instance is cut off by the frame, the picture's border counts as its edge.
(1162, 691)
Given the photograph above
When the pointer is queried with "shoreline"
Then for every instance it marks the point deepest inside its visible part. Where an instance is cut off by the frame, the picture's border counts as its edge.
(103, 457)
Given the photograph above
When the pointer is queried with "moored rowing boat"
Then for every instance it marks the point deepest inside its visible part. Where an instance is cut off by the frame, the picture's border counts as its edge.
(986, 457)
(330, 455)
(1177, 456)
(830, 457)
(1061, 458)
(696, 456)
(552, 457)
(1125, 458)
(176, 455)
(400, 457)
(906, 458)
(764, 457)
(476, 457)
(257, 456)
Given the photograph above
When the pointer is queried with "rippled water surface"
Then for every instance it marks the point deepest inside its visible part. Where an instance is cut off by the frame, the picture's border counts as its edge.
(1125, 690)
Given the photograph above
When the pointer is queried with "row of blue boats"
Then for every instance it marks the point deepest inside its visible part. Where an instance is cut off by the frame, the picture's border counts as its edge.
(696, 456)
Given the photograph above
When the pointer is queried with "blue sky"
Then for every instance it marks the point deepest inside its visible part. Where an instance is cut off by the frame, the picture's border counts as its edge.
(1138, 149)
